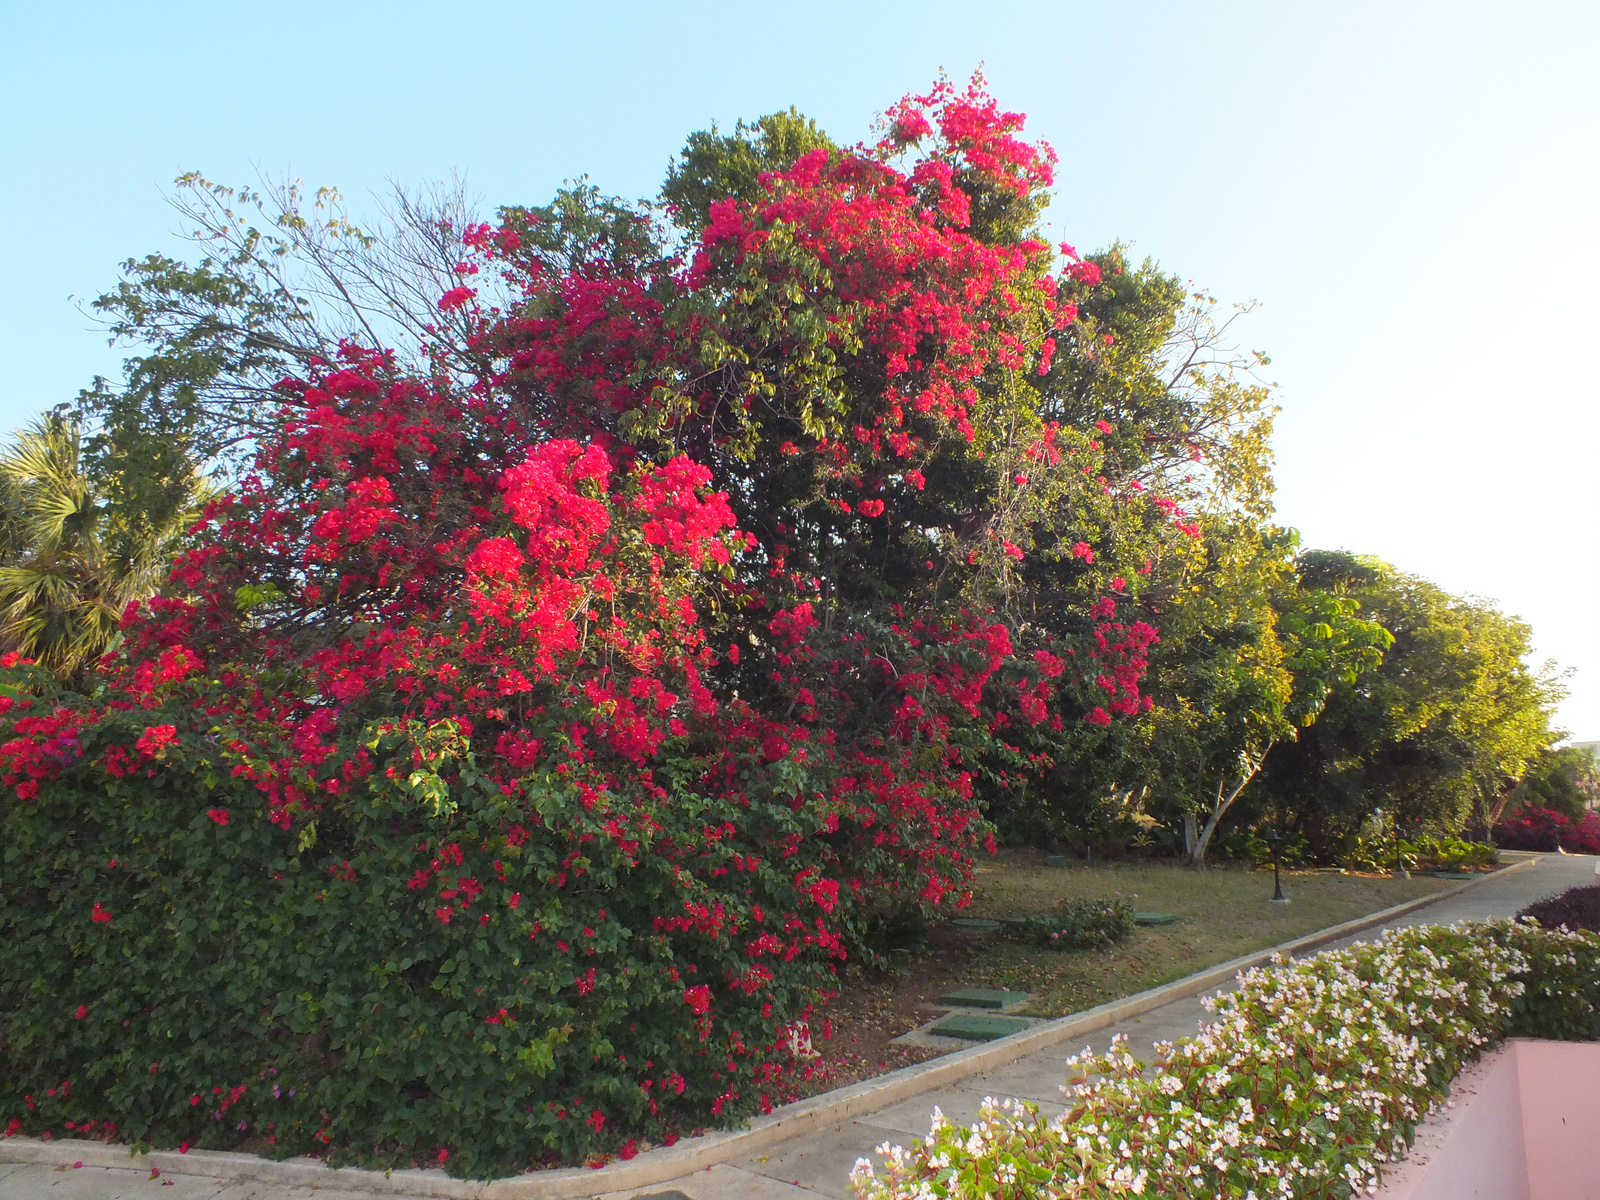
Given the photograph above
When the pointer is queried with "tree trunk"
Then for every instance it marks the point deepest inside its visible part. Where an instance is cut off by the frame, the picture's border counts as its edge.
(1496, 809)
(1197, 851)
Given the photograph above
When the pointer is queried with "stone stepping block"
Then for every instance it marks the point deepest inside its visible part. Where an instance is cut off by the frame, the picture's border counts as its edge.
(982, 998)
(976, 924)
(1452, 874)
(1142, 918)
(977, 1027)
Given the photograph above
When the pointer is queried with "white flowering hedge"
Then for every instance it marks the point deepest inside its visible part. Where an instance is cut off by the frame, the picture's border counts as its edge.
(1313, 1077)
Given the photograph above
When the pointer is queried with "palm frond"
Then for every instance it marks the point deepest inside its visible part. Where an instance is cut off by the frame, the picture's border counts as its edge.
(70, 561)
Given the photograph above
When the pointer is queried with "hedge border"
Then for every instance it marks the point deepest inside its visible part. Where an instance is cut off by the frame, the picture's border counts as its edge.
(665, 1163)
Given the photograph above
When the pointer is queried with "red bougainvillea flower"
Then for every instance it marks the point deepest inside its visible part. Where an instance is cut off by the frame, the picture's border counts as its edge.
(155, 737)
(698, 998)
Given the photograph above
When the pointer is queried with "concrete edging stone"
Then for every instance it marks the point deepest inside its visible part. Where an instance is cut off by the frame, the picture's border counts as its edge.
(663, 1163)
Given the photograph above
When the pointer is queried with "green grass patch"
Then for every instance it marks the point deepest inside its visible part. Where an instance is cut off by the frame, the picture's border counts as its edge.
(1222, 912)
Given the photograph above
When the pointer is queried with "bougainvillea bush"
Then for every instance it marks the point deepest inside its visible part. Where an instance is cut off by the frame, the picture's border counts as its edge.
(521, 747)
(1313, 1078)
(1535, 828)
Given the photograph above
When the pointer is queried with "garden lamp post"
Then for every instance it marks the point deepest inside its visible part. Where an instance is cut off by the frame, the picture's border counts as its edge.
(1276, 840)
(1400, 871)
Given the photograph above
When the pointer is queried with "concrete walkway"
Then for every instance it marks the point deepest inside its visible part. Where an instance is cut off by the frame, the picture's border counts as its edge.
(818, 1165)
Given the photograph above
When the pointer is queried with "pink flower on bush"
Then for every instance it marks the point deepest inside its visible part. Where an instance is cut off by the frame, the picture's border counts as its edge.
(155, 737)
(1536, 828)
(1086, 273)
(909, 126)
(824, 894)
(497, 557)
(679, 519)
(792, 626)
(698, 998)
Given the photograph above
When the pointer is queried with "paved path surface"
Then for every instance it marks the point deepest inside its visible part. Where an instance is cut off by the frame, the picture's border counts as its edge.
(818, 1165)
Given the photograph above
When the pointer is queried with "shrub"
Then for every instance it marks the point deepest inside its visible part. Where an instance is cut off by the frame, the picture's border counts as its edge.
(1252, 846)
(1313, 1078)
(1079, 925)
(1535, 828)
(1575, 908)
(1453, 853)
(427, 968)
(448, 870)
(1376, 854)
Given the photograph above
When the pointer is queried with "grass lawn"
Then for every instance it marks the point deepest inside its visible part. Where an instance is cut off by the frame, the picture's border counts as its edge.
(1222, 912)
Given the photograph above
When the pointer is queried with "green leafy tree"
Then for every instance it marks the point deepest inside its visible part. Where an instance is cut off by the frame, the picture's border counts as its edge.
(1562, 779)
(1438, 734)
(1254, 649)
(715, 166)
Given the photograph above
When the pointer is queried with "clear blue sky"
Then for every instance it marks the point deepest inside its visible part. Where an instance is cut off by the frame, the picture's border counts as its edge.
(1410, 190)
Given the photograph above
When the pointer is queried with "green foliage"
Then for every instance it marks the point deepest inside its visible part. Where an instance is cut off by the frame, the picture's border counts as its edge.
(1454, 854)
(1437, 735)
(1253, 845)
(1373, 851)
(1563, 780)
(1078, 925)
(1188, 419)
(298, 987)
(714, 166)
(78, 543)
(1251, 649)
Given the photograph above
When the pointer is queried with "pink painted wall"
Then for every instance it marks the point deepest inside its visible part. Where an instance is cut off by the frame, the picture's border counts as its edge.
(1560, 1084)
(1473, 1151)
(1525, 1126)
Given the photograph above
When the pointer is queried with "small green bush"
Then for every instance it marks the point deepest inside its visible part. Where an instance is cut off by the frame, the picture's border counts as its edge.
(1452, 853)
(1376, 854)
(1079, 925)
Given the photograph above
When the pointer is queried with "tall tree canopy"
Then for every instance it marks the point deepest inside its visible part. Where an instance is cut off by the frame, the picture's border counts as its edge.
(1439, 733)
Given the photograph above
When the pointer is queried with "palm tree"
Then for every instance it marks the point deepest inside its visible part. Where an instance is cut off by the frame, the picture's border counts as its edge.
(70, 560)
